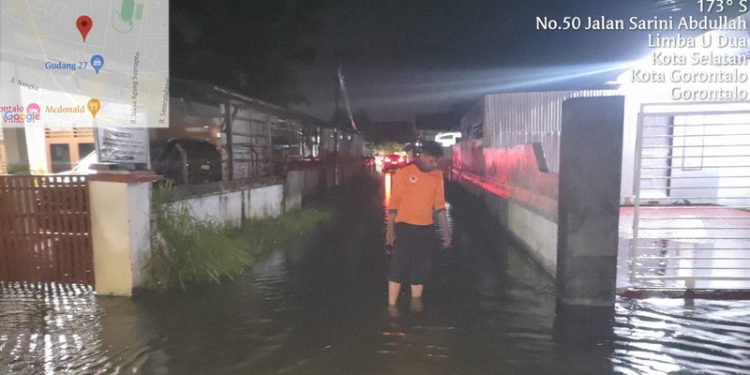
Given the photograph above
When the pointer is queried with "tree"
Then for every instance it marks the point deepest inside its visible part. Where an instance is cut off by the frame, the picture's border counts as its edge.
(247, 46)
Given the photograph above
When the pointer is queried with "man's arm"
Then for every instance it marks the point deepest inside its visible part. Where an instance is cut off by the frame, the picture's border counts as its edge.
(393, 202)
(390, 234)
(439, 204)
(447, 232)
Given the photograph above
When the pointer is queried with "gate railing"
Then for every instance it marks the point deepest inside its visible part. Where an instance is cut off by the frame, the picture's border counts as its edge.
(45, 229)
(691, 222)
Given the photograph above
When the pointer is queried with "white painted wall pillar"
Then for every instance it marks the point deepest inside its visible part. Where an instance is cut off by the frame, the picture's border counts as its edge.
(120, 229)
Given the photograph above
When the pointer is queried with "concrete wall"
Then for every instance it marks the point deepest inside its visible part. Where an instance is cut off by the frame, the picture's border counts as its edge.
(589, 204)
(294, 188)
(36, 142)
(121, 217)
(265, 202)
(121, 225)
(514, 164)
(224, 208)
(301, 184)
(231, 207)
(521, 196)
(109, 221)
(120, 230)
(537, 232)
(517, 181)
(139, 211)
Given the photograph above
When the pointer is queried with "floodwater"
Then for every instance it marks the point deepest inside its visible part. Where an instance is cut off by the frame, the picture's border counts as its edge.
(320, 309)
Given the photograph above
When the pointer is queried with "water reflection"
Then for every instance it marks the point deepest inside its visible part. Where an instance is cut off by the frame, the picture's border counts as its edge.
(661, 336)
(387, 185)
(685, 247)
(321, 309)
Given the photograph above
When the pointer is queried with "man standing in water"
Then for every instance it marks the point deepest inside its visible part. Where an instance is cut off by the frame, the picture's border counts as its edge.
(417, 192)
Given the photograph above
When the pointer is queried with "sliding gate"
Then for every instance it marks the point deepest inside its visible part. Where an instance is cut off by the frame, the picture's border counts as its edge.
(691, 218)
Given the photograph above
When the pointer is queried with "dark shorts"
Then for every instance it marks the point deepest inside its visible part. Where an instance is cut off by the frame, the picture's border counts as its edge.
(411, 260)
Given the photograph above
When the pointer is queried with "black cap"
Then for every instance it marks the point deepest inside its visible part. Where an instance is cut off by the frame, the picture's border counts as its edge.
(432, 148)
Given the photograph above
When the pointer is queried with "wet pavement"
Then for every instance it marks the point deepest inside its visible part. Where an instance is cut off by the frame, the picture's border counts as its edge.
(321, 309)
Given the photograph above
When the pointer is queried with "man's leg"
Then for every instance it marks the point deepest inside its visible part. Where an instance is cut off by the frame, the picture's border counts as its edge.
(393, 289)
(416, 305)
(416, 290)
(421, 262)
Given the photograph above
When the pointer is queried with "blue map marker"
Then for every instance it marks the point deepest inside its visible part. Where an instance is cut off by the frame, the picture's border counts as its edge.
(97, 61)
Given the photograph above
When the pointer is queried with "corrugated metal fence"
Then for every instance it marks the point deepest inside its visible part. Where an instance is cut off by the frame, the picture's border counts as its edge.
(45, 229)
(534, 117)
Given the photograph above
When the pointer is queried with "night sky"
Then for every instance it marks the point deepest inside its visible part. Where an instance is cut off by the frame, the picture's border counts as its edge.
(419, 56)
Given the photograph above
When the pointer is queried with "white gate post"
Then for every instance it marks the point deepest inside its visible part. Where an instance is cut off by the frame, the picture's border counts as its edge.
(120, 209)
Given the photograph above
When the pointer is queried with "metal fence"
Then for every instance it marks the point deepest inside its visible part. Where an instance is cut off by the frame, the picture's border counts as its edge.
(45, 229)
(691, 222)
(530, 117)
(256, 139)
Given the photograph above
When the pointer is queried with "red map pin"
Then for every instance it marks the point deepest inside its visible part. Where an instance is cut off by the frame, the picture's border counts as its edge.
(84, 24)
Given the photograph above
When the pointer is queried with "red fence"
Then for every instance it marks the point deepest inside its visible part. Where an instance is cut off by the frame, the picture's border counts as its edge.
(45, 229)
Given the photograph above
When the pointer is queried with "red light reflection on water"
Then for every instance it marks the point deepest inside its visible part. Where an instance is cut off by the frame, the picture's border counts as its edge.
(387, 188)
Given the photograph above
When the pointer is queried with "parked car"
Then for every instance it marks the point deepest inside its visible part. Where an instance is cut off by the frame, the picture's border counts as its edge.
(202, 161)
(393, 162)
(84, 165)
(368, 161)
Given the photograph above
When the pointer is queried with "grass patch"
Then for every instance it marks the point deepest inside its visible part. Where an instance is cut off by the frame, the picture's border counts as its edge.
(186, 251)
(265, 236)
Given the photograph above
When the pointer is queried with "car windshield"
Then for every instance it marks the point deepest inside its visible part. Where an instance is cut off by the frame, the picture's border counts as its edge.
(84, 164)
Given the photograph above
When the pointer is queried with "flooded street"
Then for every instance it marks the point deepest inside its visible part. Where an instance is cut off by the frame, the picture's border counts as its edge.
(321, 309)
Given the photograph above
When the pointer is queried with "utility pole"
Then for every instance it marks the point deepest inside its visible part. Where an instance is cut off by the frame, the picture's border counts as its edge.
(336, 115)
(338, 118)
(342, 85)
